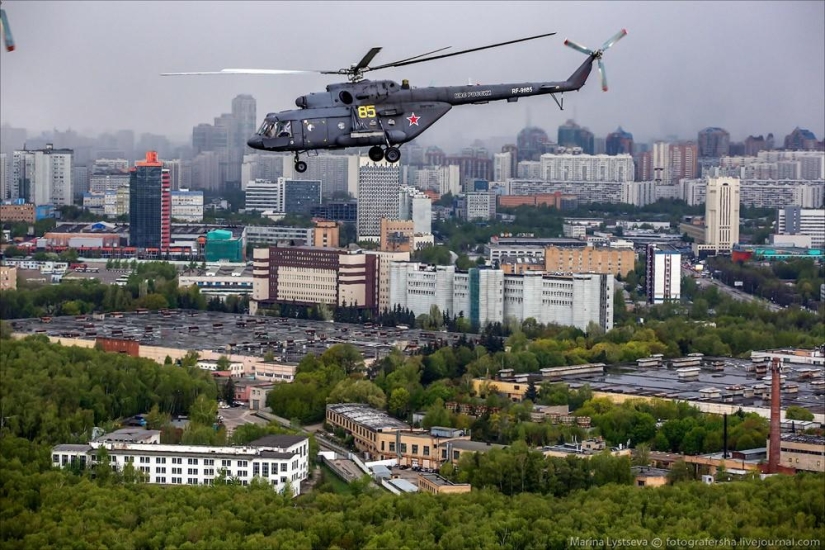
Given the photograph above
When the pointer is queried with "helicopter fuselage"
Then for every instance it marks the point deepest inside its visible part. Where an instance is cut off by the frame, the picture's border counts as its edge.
(384, 113)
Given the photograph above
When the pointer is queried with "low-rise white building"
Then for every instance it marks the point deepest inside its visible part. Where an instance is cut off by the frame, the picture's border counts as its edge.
(279, 460)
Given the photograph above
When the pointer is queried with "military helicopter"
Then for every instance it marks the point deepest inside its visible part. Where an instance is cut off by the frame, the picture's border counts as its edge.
(384, 114)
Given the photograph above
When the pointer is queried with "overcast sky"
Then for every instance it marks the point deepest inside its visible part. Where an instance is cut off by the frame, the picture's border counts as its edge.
(749, 67)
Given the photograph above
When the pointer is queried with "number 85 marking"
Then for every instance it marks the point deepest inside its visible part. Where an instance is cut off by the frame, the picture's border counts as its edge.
(366, 111)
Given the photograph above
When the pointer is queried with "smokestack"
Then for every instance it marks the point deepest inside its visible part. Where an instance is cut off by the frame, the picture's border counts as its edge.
(725, 437)
(773, 457)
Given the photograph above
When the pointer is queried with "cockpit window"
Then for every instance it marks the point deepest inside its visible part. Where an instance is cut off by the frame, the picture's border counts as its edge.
(267, 129)
(275, 128)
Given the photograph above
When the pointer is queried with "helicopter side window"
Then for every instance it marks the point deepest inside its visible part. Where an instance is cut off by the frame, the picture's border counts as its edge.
(285, 129)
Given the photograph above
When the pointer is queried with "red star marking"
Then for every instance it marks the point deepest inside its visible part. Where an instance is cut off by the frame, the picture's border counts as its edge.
(413, 119)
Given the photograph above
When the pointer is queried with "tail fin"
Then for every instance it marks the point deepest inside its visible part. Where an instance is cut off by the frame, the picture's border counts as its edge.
(580, 76)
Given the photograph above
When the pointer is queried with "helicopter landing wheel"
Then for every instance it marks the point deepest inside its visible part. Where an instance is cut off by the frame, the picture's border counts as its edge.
(392, 154)
(376, 154)
(300, 166)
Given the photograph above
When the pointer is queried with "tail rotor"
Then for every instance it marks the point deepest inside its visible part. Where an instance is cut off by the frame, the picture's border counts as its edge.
(597, 55)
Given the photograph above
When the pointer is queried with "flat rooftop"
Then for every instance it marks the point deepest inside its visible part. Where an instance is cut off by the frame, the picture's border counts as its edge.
(367, 416)
(288, 339)
(730, 382)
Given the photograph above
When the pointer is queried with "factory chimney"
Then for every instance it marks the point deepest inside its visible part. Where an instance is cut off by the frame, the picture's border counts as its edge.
(773, 457)
(725, 437)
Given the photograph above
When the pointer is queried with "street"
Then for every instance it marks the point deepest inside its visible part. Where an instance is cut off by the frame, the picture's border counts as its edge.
(734, 293)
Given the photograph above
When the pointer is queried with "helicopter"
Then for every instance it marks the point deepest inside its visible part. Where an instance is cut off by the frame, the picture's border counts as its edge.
(384, 114)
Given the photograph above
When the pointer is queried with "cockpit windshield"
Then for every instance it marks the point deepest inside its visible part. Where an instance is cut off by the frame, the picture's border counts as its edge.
(276, 128)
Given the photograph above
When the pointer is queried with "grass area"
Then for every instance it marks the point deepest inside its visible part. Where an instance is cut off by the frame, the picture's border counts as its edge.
(340, 486)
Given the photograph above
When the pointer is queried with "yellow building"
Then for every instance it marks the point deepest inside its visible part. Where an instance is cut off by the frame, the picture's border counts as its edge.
(8, 278)
(437, 485)
(382, 437)
(803, 452)
(514, 391)
(11, 213)
(397, 235)
(326, 234)
(645, 476)
(613, 261)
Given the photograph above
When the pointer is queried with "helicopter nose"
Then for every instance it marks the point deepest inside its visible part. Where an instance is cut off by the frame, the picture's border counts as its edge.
(256, 142)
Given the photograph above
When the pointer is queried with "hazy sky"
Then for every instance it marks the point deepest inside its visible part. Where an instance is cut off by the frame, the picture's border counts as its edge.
(749, 67)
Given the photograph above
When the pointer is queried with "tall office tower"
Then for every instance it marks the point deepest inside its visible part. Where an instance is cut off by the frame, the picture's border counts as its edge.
(416, 206)
(531, 143)
(5, 176)
(285, 195)
(573, 135)
(378, 185)
(11, 138)
(753, 145)
(80, 179)
(713, 143)
(619, 143)
(264, 166)
(244, 110)
(434, 156)
(331, 170)
(206, 171)
(664, 274)
(800, 140)
(502, 166)
(722, 214)
(513, 150)
(42, 176)
(150, 204)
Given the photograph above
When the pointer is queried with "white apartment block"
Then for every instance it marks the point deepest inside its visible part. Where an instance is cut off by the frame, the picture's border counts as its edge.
(443, 179)
(776, 165)
(664, 274)
(187, 205)
(278, 460)
(721, 215)
(263, 195)
(416, 206)
(502, 166)
(270, 234)
(479, 205)
(378, 186)
(808, 222)
(264, 166)
(590, 168)
(488, 295)
(763, 193)
(106, 165)
(111, 181)
(529, 170)
(385, 262)
(43, 176)
(639, 193)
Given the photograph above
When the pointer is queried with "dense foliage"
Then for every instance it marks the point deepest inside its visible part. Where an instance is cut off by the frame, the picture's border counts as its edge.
(61, 510)
(770, 282)
(54, 394)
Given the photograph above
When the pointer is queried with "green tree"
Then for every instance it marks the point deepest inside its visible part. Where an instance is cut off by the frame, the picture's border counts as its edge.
(795, 412)
(228, 391)
(203, 411)
(399, 402)
(350, 390)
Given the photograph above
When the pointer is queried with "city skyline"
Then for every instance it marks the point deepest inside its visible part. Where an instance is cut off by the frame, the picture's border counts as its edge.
(707, 71)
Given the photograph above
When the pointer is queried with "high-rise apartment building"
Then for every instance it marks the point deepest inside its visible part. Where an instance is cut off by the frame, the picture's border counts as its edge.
(502, 166)
(150, 204)
(721, 215)
(573, 167)
(573, 135)
(444, 179)
(5, 176)
(800, 140)
(42, 176)
(415, 206)
(378, 187)
(619, 143)
(713, 143)
(664, 274)
(531, 143)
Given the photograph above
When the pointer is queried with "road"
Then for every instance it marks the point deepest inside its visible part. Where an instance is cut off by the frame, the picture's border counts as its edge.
(237, 416)
(734, 293)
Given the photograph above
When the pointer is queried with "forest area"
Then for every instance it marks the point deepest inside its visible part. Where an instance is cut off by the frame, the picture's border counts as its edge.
(54, 394)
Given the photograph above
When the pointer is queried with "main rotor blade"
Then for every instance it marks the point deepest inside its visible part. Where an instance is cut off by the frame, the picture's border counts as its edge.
(414, 60)
(613, 39)
(578, 47)
(366, 59)
(603, 75)
(243, 71)
(423, 54)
